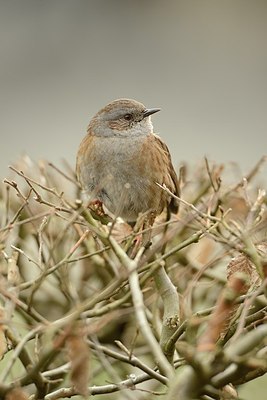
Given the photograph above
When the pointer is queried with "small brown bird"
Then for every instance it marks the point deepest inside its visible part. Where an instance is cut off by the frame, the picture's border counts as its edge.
(120, 161)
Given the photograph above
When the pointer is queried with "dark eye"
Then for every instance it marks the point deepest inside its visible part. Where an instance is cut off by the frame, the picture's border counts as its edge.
(128, 117)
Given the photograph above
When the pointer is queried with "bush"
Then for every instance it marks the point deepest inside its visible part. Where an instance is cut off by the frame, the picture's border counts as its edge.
(86, 309)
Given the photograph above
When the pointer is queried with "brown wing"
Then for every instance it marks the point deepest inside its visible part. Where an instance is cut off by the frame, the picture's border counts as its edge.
(171, 178)
(84, 155)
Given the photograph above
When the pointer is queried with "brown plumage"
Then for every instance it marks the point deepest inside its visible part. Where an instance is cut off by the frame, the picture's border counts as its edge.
(120, 161)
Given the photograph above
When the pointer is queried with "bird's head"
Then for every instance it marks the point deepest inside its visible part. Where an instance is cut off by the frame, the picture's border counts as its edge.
(122, 117)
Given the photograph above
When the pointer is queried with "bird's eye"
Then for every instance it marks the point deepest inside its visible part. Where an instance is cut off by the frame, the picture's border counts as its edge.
(128, 117)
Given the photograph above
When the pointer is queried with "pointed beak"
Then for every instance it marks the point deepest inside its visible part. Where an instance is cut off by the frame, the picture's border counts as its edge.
(150, 111)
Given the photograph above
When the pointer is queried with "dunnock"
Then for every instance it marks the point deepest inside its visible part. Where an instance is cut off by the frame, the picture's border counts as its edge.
(120, 161)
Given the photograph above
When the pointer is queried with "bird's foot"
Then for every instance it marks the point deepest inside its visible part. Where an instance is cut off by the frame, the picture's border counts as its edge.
(97, 207)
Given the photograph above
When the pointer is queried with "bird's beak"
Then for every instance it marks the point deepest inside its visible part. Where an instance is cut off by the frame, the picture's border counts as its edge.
(150, 111)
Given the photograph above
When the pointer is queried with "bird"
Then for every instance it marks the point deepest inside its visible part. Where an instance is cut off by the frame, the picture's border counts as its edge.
(121, 163)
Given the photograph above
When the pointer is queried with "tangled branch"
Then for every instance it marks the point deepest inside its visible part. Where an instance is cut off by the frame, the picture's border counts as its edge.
(83, 315)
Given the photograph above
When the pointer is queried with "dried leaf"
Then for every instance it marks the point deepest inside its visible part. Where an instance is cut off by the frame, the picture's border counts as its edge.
(16, 394)
(79, 354)
(220, 318)
(242, 264)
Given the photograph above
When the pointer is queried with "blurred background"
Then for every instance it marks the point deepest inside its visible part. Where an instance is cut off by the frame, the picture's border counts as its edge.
(204, 62)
